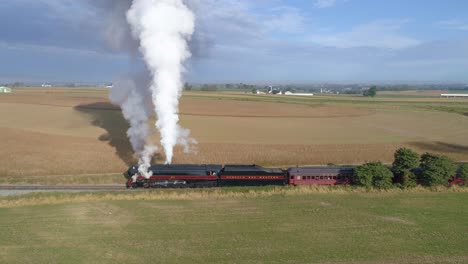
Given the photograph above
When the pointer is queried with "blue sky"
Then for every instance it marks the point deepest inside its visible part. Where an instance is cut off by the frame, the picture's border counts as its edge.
(245, 40)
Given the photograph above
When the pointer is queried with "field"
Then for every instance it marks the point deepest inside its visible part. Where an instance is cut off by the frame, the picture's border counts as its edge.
(78, 133)
(257, 225)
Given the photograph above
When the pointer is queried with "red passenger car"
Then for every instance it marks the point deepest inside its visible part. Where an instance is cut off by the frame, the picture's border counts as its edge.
(320, 175)
(455, 181)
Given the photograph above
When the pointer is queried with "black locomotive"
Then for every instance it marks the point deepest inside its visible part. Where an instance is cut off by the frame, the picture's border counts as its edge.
(192, 176)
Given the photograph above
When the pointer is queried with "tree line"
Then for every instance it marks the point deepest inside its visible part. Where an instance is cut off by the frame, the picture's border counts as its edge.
(409, 169)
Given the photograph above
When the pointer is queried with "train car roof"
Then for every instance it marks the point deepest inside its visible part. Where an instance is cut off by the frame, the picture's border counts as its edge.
(322, 168)
(246, 168)
(185, 166)
(183, 169)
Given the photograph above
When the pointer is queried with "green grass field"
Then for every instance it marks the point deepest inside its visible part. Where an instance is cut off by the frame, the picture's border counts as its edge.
(259, 225)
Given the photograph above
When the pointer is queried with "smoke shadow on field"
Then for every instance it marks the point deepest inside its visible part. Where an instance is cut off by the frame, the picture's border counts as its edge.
(110, 118)
(441, 147)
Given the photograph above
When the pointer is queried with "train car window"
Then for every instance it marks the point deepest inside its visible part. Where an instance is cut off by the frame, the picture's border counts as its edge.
(334, 177)
(292, 177)
(303, 177)
(321, 177)
(308, 177)
(298, 177)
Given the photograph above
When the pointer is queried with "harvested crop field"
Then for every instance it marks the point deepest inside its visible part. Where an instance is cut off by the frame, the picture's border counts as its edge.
(77, 131)
(420, 93)
(230, 108)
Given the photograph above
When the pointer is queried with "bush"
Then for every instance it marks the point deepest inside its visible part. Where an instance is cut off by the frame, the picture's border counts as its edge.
(462, 171)
(436, 169)
(373, 174)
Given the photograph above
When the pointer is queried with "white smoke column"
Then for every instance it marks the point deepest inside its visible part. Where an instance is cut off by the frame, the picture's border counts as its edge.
(163, 28)
(136, 112)
(145, 160)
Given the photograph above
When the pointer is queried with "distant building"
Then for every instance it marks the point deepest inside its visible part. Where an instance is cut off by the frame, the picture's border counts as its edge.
(46, 85)
(5, 89)
(298, 94)
(454, 95)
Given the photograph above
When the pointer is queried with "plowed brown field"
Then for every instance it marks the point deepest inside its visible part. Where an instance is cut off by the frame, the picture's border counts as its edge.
(61, 131)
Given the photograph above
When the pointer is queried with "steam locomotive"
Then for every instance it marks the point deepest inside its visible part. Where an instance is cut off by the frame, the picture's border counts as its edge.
(198, 176)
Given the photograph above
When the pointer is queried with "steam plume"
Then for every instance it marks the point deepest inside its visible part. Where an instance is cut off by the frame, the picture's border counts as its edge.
(160, 30)
(136, 111)
(163, 28)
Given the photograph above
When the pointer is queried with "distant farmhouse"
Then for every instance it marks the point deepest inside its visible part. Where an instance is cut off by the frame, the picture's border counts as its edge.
(5, 89)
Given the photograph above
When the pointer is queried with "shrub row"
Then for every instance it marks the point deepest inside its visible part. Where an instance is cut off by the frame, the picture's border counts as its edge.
(409, 169)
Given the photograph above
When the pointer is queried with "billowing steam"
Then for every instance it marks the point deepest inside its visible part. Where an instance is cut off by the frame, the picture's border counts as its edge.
(162, 28)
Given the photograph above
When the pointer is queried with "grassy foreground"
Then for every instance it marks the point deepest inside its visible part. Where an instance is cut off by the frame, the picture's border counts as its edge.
(256, 225)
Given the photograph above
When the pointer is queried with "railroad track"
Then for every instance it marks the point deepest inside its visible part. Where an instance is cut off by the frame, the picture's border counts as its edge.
(75, 187)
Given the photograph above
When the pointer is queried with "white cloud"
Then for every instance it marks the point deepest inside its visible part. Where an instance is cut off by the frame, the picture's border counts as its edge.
(66, 10)
(284, 19)
(378, 34)
(453, 24)
(56, 50)
(324, 3)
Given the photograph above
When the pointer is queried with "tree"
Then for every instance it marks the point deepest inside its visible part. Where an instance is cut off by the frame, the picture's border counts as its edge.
(371, 92)
(373, 174)
(187, 87)
(436, 169)
(254, 90)
(209, 88)
(408, 179)
(462, 171)
(404, 161)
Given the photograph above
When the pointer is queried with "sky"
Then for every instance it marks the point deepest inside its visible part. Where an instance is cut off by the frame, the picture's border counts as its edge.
(258, 41)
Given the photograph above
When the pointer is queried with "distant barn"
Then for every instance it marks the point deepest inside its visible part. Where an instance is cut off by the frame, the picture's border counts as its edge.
(5, 89)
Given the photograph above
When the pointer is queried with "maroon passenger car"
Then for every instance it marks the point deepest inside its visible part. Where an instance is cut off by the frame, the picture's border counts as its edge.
(320, 175)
